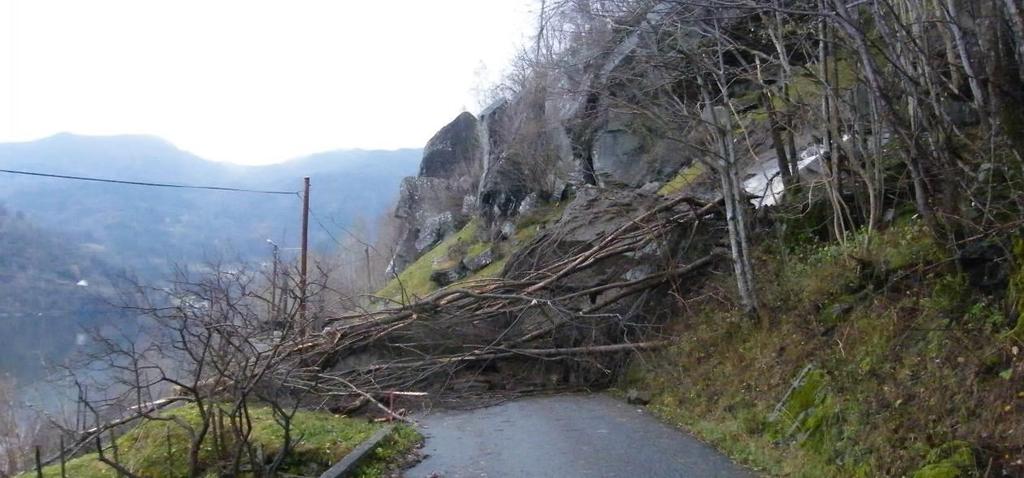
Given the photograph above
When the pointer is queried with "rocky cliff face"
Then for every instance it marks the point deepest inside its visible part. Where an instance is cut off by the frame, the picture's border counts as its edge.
(439, 201)
(567, 130)
(536, 147)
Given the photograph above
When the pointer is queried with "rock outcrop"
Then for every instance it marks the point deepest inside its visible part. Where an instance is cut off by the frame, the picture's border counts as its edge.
(570, 131)
(441, 198)
(528, 154)
(429, 210)
(454, 152)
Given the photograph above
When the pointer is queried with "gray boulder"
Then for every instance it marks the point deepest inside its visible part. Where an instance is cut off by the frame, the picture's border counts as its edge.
(454, 151)
(439, 201)
(445, 271)
(626, 152)
(638, 397)
(479, 261)
(527, 153)
(429, 210)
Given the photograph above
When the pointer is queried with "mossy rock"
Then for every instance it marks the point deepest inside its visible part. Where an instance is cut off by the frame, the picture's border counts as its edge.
(446, 270)
(809, 413)
(683, 179)
(836, 312)
(951, 460)
(807, 393)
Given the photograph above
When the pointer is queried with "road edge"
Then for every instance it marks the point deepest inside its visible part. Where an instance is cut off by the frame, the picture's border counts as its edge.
(351, 461)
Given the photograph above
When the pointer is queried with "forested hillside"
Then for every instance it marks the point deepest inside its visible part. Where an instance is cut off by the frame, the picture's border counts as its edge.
(53, 290)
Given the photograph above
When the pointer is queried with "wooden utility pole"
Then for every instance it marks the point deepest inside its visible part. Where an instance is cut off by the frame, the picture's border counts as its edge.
(369, 273)
(305, 251)
(274, 316)
(63, 466)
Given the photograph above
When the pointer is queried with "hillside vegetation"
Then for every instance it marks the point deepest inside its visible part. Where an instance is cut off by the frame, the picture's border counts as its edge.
(159, 449)
(415, 281)
(52, 290)
(55, 233)
(877, 357)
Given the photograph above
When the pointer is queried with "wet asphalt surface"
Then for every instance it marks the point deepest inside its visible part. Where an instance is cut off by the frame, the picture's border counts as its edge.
(563, 436)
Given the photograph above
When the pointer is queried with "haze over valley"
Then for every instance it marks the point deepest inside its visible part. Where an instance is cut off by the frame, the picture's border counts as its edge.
(64, 241)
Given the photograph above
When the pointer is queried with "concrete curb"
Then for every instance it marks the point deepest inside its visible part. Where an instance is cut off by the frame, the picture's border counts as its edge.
(347, 465)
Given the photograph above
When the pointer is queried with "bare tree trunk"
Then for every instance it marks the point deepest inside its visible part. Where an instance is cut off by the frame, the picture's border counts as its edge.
(788, 162)
(775, 127)
(1017, 25)
(732, 188)
(965, 60)
(869, 67)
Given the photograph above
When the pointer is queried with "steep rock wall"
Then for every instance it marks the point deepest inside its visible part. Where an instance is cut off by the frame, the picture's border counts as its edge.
(440, 199)
(571, 126)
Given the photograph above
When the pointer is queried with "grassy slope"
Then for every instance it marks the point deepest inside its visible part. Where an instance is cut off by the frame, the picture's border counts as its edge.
(905, 369)
(415, 281)
(160, 449)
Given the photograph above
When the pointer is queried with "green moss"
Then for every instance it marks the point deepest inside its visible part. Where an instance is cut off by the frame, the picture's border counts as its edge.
(808, 414)
(949, 293)
(838, 274)
(444, 262)
(806, 395)
(477, 248)
(683, 179)
(938, 470)
(807, 88)
(158, 449)
(951, 460)
(906, 245)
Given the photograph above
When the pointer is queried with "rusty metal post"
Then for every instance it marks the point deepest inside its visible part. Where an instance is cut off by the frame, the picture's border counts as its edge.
(305, 251)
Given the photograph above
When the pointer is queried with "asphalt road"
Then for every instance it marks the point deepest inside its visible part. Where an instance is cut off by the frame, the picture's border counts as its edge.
(563, 436)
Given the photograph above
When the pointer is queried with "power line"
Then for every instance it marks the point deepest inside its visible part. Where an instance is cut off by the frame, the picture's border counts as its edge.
(141, 183)
(343, 229)
(321, 224)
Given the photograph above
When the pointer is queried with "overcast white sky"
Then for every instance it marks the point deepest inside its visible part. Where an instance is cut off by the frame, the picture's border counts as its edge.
(251, 81)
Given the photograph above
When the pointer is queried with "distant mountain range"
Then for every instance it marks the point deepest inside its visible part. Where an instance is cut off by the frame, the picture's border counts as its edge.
(147, 229)
(62, 240)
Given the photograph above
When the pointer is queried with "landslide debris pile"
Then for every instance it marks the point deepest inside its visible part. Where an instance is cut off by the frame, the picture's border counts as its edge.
(572, 304)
